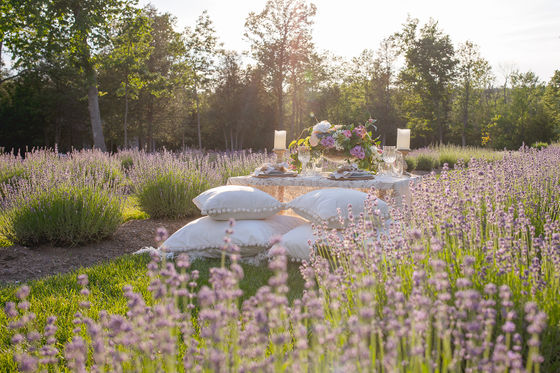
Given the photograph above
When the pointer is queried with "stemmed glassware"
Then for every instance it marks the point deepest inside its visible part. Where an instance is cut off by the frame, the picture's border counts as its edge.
(389, 154)
(304, 156)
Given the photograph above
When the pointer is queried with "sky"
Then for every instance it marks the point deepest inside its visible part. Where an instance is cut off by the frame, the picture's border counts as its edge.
(511, 34)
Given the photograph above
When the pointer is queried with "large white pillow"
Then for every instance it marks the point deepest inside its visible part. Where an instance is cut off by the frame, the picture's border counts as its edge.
(297, 242)
(237, 202)
(321, 206)
(300, 241)
(204, 237)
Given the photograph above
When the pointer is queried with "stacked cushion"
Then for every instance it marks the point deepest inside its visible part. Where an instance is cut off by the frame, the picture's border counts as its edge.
(330, 206)
(257, 221)
(204, 237)
(237, 202)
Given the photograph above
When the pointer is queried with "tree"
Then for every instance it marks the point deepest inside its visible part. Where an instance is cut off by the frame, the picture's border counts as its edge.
(165, 72)
(382, 91)
(427, 76)
(51, 28)
(280, 38)
(551, 101)
(130, 49)
(202, 47)
(474, 73)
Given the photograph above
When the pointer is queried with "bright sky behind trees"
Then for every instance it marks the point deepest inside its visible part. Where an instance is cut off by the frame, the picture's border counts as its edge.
(518, 34)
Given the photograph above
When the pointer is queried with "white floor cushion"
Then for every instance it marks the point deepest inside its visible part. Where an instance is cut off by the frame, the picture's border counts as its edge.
(322, 206)
(300, 241)
(296, 242)
(204, 237)
(237, 202)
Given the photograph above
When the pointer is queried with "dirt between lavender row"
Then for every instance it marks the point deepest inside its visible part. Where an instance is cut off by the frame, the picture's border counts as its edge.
(20, 264)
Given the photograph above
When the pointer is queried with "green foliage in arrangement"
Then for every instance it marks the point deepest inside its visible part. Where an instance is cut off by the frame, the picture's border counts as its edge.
(64, 216)
(170, 194)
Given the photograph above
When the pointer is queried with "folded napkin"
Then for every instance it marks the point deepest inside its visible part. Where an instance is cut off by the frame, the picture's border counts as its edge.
(271, 169)
(350, 171)
(350, 175)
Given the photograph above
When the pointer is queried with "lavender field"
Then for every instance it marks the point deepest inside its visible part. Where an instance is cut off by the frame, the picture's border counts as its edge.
(467, 280)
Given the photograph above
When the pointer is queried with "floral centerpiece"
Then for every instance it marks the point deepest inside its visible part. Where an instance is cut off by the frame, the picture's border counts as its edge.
(353, 144)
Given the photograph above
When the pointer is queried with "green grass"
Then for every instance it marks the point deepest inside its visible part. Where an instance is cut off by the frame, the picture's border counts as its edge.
(132, 210)
(60, 295)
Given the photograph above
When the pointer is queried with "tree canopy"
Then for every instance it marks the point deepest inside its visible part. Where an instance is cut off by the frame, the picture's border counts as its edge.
(109, 74)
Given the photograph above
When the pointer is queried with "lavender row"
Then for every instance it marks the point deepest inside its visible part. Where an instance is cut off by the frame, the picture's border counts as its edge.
(467, 280)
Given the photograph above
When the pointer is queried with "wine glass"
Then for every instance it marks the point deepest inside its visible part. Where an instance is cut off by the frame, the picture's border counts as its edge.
(304, 156)
(389, 155)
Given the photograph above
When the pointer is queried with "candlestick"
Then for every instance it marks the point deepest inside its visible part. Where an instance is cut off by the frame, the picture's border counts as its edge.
(403, 139)
(279, 140)
(279, 155)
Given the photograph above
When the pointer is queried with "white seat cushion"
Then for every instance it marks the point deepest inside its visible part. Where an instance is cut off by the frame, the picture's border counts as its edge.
(322, 206)
(237, 202)
(297, 242)
(204, 237)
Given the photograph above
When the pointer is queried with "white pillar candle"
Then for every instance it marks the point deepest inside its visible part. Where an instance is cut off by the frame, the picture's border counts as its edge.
(279, 139)
(403, 139)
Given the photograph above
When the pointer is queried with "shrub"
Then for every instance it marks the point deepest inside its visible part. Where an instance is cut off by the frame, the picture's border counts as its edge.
(61, 201)
(166, 186)
(239, 163)
(11, 170)
(424, 162)
(66, 216)
(170, 194)
(98, 164)
(539, 145)
(450, 159)
(410, 163)
(127, 163)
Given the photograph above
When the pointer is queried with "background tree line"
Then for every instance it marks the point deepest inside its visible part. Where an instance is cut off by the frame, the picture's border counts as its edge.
(109, 74)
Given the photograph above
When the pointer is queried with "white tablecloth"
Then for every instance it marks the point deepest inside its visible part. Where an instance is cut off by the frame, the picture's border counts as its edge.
(285, 189)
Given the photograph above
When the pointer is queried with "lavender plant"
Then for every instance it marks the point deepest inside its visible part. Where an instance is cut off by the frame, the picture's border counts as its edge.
(60, 203)
(165, 186)
(466, 280)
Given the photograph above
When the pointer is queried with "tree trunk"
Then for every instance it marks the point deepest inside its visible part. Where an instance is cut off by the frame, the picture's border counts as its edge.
(440, 122)
(126, 113)
(465, 115)
(198, 118)
(150, 120)
(225, 138)
(93, 95)
(95, 115)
